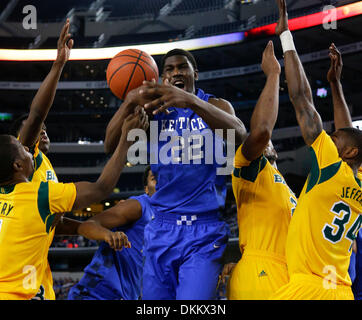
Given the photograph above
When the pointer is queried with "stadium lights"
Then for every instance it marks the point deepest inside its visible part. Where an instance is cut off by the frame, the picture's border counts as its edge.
(108, 53)
(347, 11)
(312, 20)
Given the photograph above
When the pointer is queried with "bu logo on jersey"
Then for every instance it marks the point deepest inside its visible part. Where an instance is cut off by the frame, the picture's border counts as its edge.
(50, 176)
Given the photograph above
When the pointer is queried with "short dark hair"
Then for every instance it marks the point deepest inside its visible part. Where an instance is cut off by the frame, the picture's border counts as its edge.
(145, 175)
(17, 124)
(355, 138)
(8, 154)
(178, 52)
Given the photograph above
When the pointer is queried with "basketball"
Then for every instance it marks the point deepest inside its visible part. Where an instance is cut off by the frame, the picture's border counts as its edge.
(128, 69)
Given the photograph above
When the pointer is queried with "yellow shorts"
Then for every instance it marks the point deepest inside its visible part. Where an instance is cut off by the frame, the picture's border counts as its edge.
(310, 287)
(257, 275)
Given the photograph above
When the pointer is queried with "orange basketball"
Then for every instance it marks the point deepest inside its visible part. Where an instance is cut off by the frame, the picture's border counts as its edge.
(128, 69)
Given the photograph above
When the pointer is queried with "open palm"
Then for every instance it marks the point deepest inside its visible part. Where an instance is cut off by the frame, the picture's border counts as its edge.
(282, 24)
(65, 44)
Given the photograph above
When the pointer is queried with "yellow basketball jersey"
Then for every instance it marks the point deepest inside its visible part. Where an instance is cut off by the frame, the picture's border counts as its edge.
(326, 219)
(264, 202)
(43, 171)
(26, 216)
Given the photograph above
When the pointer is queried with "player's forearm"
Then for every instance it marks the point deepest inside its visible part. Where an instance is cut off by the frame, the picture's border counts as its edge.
(298, 85)
(67, 226)
(266, 110)
(342, 117)
(263, 119)
(217, 118)
(114, 128)
(112, 170)
(41, 105)
(92, 230)
(300, 95)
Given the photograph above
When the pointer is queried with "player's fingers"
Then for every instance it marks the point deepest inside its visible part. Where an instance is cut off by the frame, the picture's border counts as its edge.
(70, 44)
(162, 108)
(129, 117)
(119, 241)
(145, 122)
(124, 240)
(110, 242)
(153, 104)
(166, 82)
(64, 30)
(148, 91)
(150, 84)
(66, 38)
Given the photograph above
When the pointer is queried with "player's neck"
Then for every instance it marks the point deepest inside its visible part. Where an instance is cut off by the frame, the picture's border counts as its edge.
(15, 180)
(354, 166)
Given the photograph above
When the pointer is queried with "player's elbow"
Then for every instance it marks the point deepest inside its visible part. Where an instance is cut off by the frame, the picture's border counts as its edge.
(261, 135)
(240, 133)
(109, 145)
(298, 97)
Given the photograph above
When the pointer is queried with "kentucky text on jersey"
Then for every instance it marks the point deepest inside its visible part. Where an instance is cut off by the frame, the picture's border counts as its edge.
(182, 123)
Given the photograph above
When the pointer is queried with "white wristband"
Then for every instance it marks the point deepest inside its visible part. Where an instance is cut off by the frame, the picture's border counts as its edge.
(286, 39)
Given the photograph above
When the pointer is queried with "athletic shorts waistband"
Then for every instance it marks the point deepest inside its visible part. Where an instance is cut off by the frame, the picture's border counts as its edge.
(187, 219)
(265, 255)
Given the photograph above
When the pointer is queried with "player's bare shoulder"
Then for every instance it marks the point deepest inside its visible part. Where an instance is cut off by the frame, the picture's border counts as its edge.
(222, 104)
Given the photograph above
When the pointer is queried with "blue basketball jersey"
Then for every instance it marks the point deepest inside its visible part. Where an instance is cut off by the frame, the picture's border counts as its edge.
(116, 274)
(187, 153)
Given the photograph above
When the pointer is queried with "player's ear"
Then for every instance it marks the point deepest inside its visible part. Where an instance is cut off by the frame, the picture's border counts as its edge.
(17, 165)
(196, 74)
(350, 153)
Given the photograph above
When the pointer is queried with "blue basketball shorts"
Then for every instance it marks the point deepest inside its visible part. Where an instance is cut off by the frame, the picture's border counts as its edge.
(183, 256)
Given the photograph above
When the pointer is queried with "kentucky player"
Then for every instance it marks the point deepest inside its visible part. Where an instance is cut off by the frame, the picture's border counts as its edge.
(185, 242)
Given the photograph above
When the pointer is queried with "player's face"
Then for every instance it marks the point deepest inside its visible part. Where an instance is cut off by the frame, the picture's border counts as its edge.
(151, 184)
(44, 142)
(179, 71)
(341, 141)
(270, 153)
(25, 159)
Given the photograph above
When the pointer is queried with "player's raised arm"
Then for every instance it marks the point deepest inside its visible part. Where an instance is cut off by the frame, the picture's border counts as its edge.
(299, 89)
(342, 117)
(114, 127)
(87, 192)
(266, 110)
(44, 98)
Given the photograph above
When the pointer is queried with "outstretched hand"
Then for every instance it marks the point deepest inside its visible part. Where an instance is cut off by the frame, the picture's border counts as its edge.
(137, 119)
(335, 70)
(65, 44)
(270, 64)
(282, 24)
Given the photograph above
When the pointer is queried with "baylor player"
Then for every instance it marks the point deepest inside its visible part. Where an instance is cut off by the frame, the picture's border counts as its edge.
(29, 210)
(327, 217)
(264, 201)
(31, 131)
